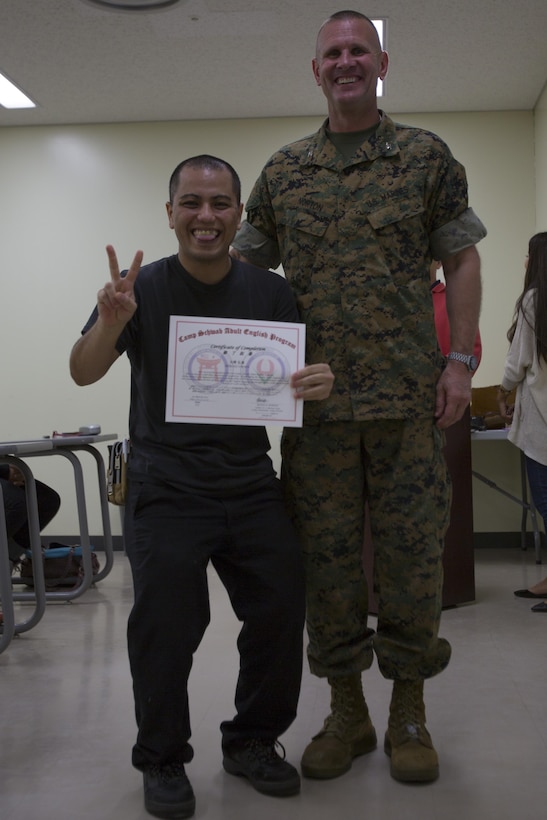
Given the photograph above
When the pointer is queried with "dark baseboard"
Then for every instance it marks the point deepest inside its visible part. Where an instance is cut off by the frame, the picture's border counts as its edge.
(97, 541)
(501, 540)
(481, 540)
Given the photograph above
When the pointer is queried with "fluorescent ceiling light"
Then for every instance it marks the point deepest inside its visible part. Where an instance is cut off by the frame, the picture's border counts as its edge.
(11, 97)
(133, 5)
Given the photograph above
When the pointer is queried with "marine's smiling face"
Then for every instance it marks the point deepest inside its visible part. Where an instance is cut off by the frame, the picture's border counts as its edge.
(349, 61)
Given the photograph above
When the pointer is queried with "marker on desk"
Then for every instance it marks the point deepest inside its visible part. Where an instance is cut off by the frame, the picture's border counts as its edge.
(90, 430)
(87, 430)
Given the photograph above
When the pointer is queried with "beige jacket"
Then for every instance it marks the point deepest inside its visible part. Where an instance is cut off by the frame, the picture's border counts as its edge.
(524, 371)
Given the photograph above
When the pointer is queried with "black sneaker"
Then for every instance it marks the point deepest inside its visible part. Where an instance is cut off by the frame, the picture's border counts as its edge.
(256, 759)
(167, 791)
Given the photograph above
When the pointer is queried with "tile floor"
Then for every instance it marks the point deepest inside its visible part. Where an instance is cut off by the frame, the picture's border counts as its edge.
(67, 716)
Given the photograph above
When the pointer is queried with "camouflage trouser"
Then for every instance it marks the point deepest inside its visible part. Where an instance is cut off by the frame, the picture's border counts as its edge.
(329, 471)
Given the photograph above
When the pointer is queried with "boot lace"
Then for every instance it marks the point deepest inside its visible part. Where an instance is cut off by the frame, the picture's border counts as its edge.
(348, 707)
(407, 715)
(265, 750)
(168, 772)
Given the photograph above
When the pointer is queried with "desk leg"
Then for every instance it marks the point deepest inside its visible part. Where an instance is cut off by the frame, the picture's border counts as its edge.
(39, 594)
(85, 544)
(528, 507)
(524, 492)
(8, 627)
(105, 511)
(87, 580)
(537, 534)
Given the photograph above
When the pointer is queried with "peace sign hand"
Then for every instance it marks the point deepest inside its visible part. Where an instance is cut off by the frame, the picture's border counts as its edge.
(116, 301)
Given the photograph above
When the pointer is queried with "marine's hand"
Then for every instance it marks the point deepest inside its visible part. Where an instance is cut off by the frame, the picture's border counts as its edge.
(116, 301)
(313, 382)
(453, 394)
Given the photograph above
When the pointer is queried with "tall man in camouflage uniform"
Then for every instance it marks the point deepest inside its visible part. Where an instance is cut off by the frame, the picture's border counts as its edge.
(356, 213)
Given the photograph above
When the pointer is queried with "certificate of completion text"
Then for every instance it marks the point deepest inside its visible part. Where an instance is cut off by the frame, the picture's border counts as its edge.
(233, 371)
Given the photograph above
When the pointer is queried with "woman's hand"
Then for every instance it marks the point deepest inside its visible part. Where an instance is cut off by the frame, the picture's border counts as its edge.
(506, 410)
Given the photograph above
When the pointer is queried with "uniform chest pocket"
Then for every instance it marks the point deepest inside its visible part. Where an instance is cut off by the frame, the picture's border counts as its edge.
(402, 237)
(398, 216)
(402, 241)
(308, 221)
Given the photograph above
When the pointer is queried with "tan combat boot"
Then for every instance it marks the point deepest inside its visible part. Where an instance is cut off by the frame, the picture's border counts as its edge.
(347, 732)
(407, 741)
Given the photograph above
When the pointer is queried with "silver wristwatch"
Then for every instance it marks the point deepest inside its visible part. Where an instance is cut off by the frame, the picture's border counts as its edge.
(470, 361)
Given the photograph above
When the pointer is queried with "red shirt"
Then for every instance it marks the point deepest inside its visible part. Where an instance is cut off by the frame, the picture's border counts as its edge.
(441, 322)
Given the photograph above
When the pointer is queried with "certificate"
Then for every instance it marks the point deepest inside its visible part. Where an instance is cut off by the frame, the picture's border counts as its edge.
(233, 371)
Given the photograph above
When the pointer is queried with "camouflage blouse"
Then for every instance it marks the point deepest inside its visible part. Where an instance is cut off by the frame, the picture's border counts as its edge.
(356, 239)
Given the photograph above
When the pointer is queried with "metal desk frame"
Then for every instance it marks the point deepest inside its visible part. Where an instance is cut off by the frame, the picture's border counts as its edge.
(8, 627)
(66, 446)
(528, 506)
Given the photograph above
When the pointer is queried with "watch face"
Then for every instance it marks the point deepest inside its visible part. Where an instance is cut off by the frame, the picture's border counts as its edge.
(473, 363)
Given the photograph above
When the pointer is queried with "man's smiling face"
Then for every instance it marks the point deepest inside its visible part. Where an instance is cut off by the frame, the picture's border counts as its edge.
(348, 63)
(205, 215)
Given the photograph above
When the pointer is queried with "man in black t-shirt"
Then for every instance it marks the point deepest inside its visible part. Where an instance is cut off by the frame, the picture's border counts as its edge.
(200, 493)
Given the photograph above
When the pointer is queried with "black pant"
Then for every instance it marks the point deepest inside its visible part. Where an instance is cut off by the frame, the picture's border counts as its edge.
(170, 538)
(15, 505)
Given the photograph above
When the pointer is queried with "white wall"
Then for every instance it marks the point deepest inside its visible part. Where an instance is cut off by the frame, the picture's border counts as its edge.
(541, 161)
(67, 191)
(492, 511)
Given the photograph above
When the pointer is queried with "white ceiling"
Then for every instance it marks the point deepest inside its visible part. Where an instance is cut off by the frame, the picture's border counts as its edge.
(217, 59)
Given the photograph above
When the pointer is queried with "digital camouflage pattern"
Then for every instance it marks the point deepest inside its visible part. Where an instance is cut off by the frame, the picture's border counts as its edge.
(356, 240)
(325, 470)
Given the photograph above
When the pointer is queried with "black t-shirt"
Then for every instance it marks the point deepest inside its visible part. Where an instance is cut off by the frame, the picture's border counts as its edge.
(210, 459)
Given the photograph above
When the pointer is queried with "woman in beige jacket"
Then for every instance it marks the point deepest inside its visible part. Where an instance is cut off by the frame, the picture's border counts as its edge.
(526, 369)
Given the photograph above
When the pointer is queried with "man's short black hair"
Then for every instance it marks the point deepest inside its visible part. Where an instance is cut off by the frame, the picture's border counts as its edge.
(205, 161)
